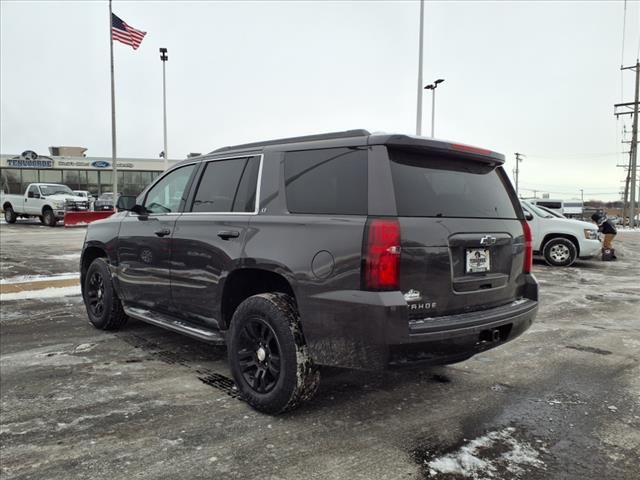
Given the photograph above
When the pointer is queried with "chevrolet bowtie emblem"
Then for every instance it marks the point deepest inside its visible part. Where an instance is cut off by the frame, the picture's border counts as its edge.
(487, 240)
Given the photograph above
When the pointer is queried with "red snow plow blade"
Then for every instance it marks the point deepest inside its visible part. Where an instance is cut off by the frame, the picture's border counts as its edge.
(76, 219)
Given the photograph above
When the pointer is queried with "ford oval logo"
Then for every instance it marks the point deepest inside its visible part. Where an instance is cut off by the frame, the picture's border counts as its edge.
(100, 164)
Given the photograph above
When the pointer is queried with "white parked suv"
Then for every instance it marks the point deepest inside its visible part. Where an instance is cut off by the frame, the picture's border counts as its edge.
(560, 240)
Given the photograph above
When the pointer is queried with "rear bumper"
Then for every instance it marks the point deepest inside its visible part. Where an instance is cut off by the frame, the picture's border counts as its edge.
(372, 330)
(454, 338)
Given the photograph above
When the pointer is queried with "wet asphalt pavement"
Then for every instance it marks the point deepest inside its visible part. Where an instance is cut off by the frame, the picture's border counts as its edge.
(562, 401)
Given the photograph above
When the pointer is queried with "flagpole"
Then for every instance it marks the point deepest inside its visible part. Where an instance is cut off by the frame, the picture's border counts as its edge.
(113, 115)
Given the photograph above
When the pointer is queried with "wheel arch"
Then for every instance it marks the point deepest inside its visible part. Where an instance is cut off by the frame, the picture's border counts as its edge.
(6, 205)
(46, 207)
(551, 236)
(89, 254)
(242, 283)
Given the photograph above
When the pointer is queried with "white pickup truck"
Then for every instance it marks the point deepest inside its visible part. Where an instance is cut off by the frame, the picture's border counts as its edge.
(47, 201)
(560, 240)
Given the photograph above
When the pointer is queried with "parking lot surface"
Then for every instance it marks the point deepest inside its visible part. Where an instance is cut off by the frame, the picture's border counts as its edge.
(562, 401)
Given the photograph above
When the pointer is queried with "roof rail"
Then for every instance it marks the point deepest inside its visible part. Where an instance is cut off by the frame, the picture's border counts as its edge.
(306, 138)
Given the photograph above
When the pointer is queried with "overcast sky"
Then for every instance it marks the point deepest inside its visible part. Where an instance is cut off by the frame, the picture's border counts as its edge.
(539, 78)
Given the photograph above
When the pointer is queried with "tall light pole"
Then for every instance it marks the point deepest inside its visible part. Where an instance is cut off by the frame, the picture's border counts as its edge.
(420, 45)
(432, 87)
(164, 57)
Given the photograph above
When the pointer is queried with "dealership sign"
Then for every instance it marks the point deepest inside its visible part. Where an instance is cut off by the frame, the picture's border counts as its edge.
(100, 164)
(30, 159)
(94, 164)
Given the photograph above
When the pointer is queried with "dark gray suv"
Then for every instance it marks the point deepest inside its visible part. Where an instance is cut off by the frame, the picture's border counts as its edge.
(347, 249)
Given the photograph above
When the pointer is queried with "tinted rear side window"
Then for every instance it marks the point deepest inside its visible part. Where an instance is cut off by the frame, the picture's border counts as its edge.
(428, 185)
(327, 181)
(246, 195)
(228, 186)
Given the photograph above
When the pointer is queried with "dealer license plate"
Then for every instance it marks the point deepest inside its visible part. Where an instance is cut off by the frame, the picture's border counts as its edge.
(478, 260)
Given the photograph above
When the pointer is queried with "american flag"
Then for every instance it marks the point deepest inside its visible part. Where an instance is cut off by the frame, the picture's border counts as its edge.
(124, 33)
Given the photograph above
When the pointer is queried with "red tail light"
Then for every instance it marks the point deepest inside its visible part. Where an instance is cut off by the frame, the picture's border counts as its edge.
(528, 248)
(381, 254)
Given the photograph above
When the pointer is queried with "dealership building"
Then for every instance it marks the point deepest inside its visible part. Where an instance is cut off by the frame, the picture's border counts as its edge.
(69, 166)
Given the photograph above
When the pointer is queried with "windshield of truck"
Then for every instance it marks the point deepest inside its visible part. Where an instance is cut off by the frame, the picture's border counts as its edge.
(55, 190)
(548, 210)
(431, 185)
(538, 211)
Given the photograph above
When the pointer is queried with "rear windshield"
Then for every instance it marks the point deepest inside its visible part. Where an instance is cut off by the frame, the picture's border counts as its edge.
(430, 185)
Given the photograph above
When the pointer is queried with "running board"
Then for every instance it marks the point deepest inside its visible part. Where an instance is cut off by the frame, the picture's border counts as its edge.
(179, 326)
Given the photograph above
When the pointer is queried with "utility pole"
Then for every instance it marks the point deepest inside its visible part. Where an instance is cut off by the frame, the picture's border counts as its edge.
(625, 200)
(517, 171)
(634, 151)
(582, 196)
(634, 142)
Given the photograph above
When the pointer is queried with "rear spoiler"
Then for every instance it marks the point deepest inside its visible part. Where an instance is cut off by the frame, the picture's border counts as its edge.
(459, 150)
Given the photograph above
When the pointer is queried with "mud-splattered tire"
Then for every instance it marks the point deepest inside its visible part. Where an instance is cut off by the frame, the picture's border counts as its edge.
(9, 215)
(100, 299)
(49, 217)
(268, 355)
(560, 252)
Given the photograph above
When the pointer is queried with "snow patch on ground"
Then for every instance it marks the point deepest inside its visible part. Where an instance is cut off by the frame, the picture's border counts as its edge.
(39, 278)
(52, 292)
(67, 256)
(474, 460)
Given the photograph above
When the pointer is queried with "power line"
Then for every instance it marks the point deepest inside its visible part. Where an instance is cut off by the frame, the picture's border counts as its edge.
(574, 154)
(566, 188)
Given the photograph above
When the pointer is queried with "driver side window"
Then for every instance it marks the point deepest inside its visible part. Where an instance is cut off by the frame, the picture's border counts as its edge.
(34, 192)
(167, 195)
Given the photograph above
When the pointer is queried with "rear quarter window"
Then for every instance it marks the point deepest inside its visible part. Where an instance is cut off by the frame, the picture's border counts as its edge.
(431, 185)
(326, 181)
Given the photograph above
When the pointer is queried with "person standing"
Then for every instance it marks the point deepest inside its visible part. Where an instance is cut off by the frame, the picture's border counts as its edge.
(609, 231)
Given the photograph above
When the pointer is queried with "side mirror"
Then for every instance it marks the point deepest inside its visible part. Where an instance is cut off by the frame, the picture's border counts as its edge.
(528, 216)
(126, 202)
(139, 210)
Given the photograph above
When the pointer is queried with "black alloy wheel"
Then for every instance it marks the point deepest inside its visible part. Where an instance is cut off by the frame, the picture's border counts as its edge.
(104, 308)
(259, 355)
(268, 355)
(95, 294)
